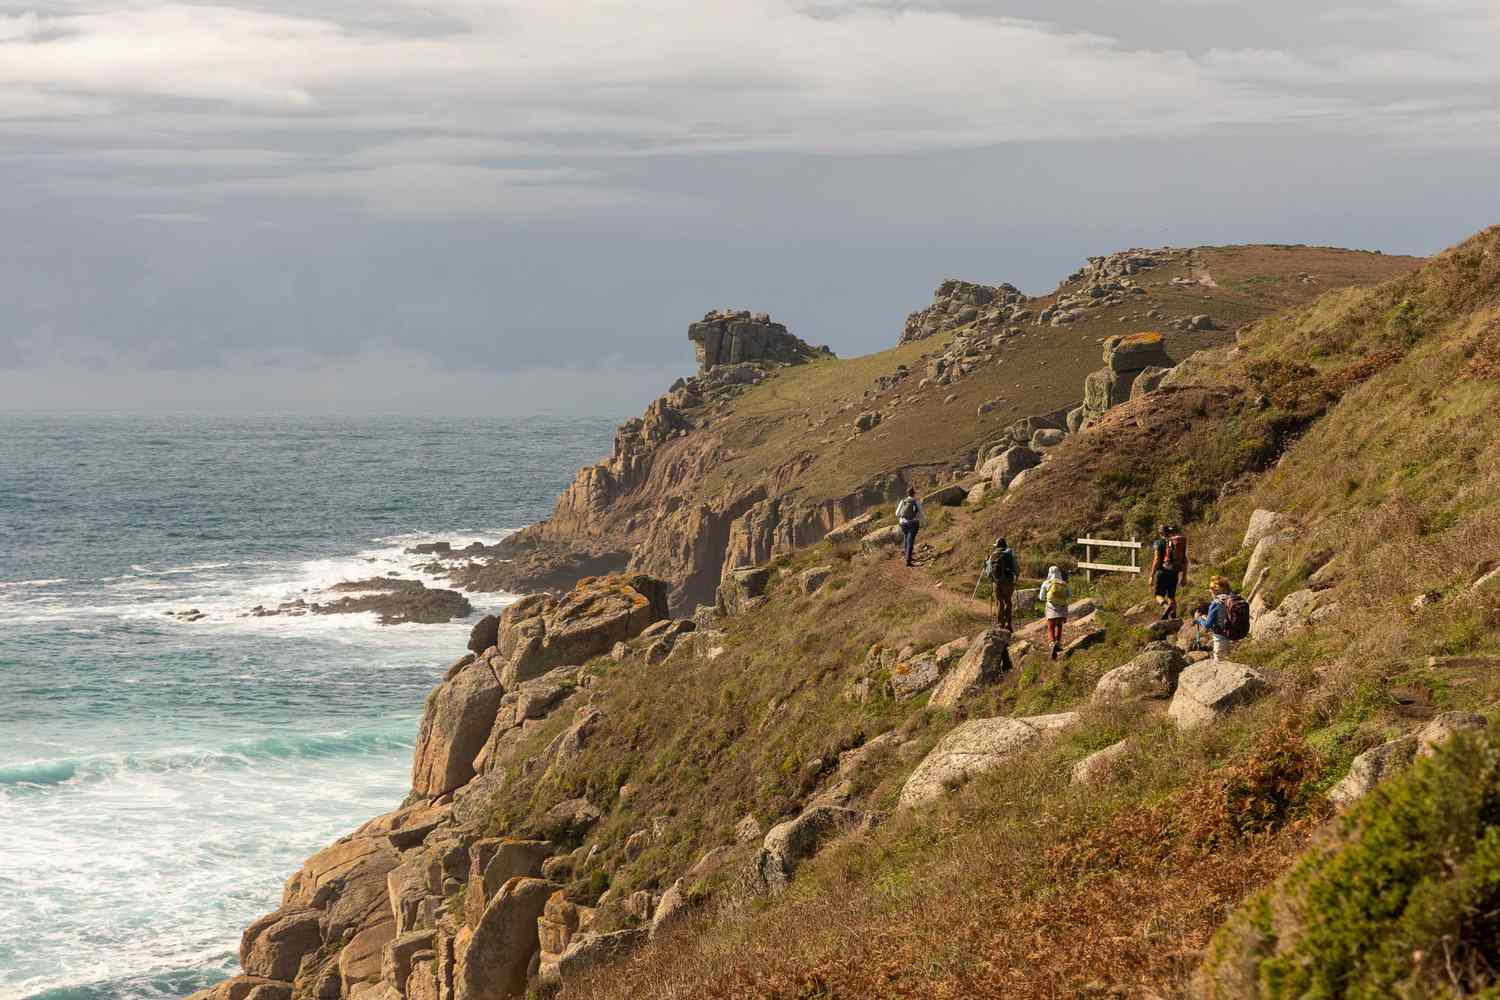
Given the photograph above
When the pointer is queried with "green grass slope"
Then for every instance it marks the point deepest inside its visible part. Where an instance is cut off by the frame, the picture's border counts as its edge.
(1372, 416)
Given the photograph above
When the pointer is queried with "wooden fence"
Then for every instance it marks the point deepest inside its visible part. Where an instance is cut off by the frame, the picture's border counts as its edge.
(1091, 567)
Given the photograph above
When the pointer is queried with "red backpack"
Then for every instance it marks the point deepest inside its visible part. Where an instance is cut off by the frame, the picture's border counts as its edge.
(1176, 553)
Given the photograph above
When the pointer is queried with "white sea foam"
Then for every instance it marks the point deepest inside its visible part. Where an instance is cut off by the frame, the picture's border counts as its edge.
(224, 593)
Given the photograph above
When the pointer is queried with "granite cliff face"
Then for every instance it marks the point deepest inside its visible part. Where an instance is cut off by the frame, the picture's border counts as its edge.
(642, 509)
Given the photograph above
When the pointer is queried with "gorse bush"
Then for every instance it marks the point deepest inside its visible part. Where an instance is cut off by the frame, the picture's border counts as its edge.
(1403, 901)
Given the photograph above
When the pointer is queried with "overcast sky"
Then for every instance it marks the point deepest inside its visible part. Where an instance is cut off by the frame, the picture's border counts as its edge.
(464, 206)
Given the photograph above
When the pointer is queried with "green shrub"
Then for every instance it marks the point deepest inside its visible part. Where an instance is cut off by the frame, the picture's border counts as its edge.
(1404, 901)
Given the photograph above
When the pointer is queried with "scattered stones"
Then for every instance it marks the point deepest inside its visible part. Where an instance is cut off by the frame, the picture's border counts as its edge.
(1209, 690)
(989, 308)
(867, 421)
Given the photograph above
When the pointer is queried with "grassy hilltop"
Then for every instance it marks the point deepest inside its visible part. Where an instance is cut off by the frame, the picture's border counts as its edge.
(1369, 418)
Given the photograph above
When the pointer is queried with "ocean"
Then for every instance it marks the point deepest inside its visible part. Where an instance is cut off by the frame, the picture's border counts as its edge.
(161, 778)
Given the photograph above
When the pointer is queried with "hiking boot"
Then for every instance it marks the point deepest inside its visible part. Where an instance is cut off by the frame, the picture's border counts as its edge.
(1056, 648)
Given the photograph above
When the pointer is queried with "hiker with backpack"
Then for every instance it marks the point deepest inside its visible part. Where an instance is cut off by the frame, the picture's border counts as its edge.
(909, 515)
(1003, 569)
(1228, 617)
(1054, 594)
(1168, 568)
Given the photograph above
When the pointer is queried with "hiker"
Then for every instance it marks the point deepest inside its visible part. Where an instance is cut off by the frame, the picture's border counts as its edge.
(1168, 568)
(1054, 593)
(1003, 569)
(1227, 619)
(909, 515)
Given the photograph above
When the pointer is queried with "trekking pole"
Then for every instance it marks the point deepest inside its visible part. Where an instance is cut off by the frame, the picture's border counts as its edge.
(977, 584)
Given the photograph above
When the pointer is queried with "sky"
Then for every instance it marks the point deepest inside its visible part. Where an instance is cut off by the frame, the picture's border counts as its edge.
(455, 206)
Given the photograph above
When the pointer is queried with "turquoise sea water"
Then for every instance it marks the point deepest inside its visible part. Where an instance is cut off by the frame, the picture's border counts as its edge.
(160, 779)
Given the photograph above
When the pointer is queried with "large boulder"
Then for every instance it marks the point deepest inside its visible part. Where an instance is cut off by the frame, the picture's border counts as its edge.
(273, 946)
(739, 590)
(889, 536)
(485, 633)
(910, 677)
(1296, 612)
(1151, 674)
(1047, 437)
(1010, 463)
(1260, 560)
(399, 955)
(1103, 389)
(363, 958)
(1370, 767)
(973, 748)
(738, 337)
(246, 988)
(1137, 352)
(345, 881)
(672, 908)
(494, 961)
(588, 951)
(788, 844)
(853, 529)
(1210, 689)
(1147, 380)
(455, 724)
(1262, 523)
(985, 658)
(494, 862)
(537, 637)
(1098, 764)
(1366, 770)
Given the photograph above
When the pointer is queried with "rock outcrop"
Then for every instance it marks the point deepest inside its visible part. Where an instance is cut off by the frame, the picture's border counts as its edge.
(987, 308)
(1125, 359)
(986, 657)
(731, 338)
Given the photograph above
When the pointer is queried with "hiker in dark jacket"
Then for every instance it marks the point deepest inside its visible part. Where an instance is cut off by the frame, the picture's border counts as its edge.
(1168, 568)
(1004, 569)
(909, 515)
